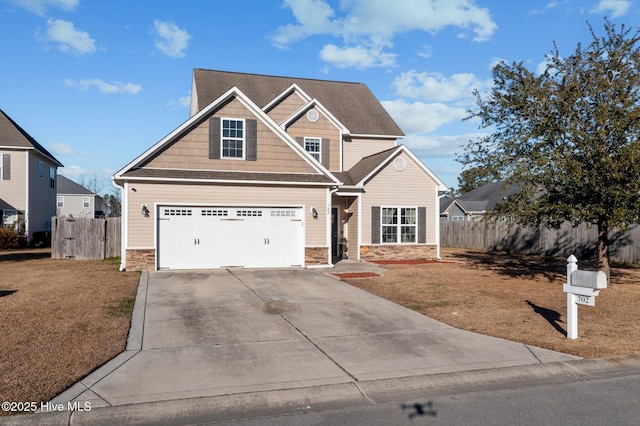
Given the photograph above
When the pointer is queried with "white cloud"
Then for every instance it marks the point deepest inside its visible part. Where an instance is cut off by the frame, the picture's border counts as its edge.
(59, 148)
(39, 7)
(420, 117)
(357, 57)
(172, 41)
(615, 7)
(369, 26)
(439, 146)
(69, 38)
(184, 102)
(436, 87)
(106, 88)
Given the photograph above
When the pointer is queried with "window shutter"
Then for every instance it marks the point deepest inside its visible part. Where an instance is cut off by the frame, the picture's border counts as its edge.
(375, 225)
(214, 138)
(324, 155)
(300, 141)
(422, 225)
(252, 140)
(6, 166)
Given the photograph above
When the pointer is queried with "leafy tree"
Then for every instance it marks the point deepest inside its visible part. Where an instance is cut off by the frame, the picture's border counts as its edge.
(113, 205)
(474, 177)
(570, 135)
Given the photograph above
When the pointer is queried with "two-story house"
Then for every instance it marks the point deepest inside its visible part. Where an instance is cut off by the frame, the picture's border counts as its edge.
(277, 172)
(75, 200)
(27, 181)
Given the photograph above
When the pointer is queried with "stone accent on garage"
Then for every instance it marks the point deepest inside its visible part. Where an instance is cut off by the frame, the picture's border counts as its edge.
(398, 252)
(316, 256)
(141, 259)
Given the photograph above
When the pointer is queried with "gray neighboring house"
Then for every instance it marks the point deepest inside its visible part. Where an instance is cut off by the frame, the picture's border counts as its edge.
(28, 175)
(473, 205)
(75, 200)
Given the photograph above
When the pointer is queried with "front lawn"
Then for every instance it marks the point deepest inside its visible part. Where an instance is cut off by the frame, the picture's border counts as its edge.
(518, 298)
(59, 320)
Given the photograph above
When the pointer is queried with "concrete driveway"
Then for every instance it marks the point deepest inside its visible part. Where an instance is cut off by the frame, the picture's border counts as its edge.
(225, 332)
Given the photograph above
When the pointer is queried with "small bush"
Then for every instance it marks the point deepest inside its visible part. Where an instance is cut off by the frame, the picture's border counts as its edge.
(8, 239)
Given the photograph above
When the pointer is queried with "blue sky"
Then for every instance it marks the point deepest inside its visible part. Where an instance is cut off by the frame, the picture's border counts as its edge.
(99, 82)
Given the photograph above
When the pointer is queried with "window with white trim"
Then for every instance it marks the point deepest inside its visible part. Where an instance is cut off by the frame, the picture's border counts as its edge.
(233, 138)
(85, 202)
(399, 225)
(60, 201)
(457, 218)
(9, 217)
(312, 146)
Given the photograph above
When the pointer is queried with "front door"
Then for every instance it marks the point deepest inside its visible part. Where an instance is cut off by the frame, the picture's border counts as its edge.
(335, 223)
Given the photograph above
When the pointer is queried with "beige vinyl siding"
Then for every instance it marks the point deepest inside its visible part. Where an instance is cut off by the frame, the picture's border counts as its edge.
(323, 128)
(410, 187)
(286, 107)
(358, 148)
(13, 191)
(74, 205)
(191, 151)
(42, 198)
(141, 229)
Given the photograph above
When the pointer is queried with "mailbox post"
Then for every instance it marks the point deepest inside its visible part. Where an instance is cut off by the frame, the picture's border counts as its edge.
(582, 287)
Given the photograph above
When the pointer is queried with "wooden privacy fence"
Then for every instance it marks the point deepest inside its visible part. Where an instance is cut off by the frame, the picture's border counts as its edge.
(85, 238)
(581, 241)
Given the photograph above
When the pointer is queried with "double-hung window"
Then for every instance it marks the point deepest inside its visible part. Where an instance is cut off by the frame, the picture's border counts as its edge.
(399, 225)
(312, 146)
(60, 201)
(85, 202)
(233, 138)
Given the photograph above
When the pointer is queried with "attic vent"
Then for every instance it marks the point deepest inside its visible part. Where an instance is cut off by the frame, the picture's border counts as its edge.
(399, 164)
(312, 115)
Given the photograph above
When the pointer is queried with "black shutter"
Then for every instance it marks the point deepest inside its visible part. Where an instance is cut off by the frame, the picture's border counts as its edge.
(375, 225)
(324, 156)
(252, 140)
(422, 225)
(214, 138)
(6, 166)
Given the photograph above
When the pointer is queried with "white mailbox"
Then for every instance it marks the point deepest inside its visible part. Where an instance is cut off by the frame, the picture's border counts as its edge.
(581, 287)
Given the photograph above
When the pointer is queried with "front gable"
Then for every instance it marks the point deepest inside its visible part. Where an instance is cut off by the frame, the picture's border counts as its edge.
(202, 144)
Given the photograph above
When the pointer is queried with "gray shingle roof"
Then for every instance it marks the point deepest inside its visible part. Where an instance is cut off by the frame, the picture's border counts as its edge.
(352, 104)
(67, 186)
(362, 168)
(486, 197)
(11, 134)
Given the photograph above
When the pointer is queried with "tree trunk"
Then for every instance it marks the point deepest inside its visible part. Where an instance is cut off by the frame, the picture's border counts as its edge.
(603, 249)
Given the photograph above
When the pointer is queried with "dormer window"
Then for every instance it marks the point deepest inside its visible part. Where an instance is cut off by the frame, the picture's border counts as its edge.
(313, 147)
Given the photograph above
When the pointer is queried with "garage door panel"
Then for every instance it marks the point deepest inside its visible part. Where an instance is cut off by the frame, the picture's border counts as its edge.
(215, 237)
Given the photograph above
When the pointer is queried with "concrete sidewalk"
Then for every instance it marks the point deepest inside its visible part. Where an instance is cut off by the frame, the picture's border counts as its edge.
(225, 342)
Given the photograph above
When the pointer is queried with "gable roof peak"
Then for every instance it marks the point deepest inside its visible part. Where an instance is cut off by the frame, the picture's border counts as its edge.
(11, 134)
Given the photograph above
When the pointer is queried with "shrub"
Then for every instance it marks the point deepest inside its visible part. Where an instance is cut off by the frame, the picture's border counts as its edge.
(8, 239)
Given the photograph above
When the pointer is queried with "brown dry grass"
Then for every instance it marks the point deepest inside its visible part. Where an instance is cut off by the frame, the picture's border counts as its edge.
(519, 298)
(59, 320)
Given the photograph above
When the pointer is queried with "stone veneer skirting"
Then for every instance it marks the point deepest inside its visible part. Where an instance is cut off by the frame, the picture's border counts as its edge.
(316, 256)
(398, 252)
(141, 259)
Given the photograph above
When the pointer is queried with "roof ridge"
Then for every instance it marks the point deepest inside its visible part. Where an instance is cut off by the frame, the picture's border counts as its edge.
(280, 76)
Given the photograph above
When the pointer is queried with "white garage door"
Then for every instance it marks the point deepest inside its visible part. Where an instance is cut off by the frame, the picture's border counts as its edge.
(218, 237)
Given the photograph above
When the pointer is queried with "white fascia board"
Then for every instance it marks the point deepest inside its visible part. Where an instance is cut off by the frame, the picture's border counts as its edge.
(315, 103)
(361, 135)
(294, 88)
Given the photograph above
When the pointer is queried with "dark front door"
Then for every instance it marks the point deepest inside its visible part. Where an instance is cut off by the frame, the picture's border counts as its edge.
(335, 221)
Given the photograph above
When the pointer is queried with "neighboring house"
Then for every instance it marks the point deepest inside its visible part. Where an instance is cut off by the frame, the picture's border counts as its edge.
(473, 205)
(77, 201)
(277, 172)
(27, 181)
